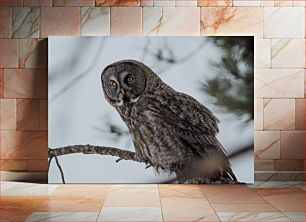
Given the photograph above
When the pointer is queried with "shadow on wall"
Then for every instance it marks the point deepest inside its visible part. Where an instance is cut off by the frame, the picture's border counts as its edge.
(26, 149)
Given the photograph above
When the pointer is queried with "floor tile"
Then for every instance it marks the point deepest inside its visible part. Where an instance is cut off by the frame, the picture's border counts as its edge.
(285, 200)
(230, 194)
(187, 209)
(71, 204)
(63, 216)
(133, 196)
(296, 216)
(277, 184)
(25, 189)
(176, 190)
(18, 208)
(130, 214)
(89, 190)
(251, 216)
(264, 207)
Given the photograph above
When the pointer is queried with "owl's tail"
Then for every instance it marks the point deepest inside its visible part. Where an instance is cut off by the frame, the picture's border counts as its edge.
(215, 169)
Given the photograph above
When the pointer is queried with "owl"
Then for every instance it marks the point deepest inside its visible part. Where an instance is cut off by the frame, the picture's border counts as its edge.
(171, 131)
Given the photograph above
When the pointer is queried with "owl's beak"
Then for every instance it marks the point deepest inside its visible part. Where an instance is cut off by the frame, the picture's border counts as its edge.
(122, 91)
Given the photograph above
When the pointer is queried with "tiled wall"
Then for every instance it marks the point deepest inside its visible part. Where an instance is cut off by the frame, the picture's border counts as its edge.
(278, 26)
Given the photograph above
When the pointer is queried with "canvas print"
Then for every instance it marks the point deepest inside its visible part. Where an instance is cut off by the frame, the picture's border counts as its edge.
(151, 109)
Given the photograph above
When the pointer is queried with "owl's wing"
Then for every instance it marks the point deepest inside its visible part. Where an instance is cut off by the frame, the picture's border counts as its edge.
(183, 128)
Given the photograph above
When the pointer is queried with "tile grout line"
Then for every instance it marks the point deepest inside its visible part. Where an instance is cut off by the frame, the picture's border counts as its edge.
(161, 209)
(209, 203)
(104, 202)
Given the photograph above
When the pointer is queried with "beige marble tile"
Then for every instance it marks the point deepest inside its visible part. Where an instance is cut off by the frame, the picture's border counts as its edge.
(278, 176)
(163, 3)
(71, 204)
(28, 114)
(63, 216)
(279, 114)
(230, 194)
(187, 209)
(73, 2)
(126, 21)
(1, 83)
(37, 2)
(284, 22)
(305, 82)
(285, 199)
(37, 165)
(284, 3)
(25, 83)
(232, 21)
(18, 208)
(267, 144)
(277, 184)
(300, 114)
(279, 83)
(5, 3)
(263, 207)
(26, 189)
(289, 165)
(258, 115)
(146, 2)
(285, 49)
(262, 53)
(266, 3)
(186, 3)
(8, 53)
(133, 196)
(160, 21)
(13, 165)
(43, 114)
(130, 214)
(33, 53)
(91, 191)
(184, 191)
(24, 144)
(51, 17)
(237, 3)
(299, 3)
(253, 216)
(5, 22)
(124, 3)
(292, 144)
(295, 216)
(25, 22)
(8, 114)
(262, 165)
(219, 3)
(95, 21)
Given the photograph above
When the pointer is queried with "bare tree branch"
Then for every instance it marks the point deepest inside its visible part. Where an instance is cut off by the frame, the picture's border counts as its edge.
(91, 149)
(122, 154)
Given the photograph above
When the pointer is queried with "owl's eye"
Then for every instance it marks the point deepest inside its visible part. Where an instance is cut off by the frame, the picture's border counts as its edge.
(130, 79)
(113, 83)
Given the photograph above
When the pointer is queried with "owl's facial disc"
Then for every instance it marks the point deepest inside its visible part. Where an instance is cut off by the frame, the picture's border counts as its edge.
(123, 83)
(128, 92)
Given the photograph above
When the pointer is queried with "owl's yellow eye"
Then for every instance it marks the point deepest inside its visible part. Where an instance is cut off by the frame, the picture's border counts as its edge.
(130, 79)
(113, 83)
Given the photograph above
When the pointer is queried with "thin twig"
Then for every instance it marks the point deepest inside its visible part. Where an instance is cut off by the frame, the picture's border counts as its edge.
(49, 162)
(60, 169)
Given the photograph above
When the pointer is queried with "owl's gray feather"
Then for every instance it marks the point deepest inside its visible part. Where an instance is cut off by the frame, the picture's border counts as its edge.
(172, 131)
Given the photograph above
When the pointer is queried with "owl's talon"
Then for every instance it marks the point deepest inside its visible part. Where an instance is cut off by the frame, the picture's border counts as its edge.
(118, 160)
(148, 166)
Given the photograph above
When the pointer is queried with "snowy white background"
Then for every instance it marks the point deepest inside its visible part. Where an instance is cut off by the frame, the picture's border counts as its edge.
(79, 113)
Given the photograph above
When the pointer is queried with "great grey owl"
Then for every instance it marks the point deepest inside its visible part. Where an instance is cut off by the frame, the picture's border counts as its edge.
(170, 130)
